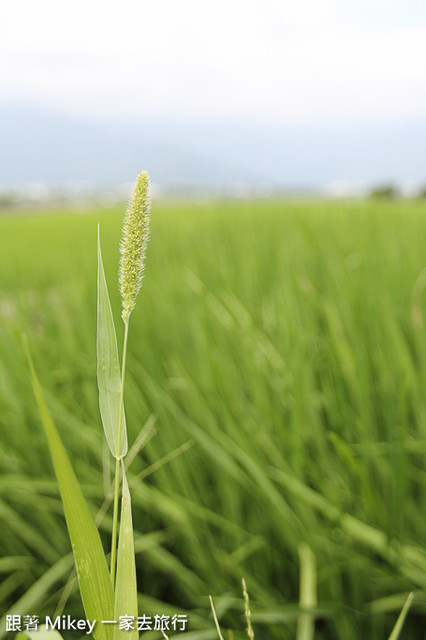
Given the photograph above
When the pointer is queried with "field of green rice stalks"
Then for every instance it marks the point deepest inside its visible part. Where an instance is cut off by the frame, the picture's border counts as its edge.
(277, 377)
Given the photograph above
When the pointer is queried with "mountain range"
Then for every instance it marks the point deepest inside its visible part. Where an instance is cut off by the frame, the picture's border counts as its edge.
(36, 145)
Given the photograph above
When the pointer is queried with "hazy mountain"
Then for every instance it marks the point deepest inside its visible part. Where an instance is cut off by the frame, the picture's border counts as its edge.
(37, 146)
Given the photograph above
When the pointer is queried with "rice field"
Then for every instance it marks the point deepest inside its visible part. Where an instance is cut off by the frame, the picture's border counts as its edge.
(276, 386)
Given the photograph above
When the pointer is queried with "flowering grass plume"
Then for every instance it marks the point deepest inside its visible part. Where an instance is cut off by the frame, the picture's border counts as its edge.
(133, 245)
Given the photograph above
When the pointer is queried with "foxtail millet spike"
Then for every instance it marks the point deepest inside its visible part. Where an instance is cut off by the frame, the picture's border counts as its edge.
(133, 245)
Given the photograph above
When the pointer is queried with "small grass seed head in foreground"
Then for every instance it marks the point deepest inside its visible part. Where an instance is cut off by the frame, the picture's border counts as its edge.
(133, 245)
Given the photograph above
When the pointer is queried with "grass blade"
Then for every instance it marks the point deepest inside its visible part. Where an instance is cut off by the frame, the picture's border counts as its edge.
(108, 367)
(401, 618)
(216, 621)
(126, 592)
(308, 593)
(92, 571)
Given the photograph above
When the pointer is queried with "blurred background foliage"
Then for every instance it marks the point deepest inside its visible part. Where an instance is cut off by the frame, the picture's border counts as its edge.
(277, 373)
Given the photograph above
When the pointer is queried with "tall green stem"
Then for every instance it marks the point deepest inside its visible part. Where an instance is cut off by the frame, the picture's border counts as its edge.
(117, 463)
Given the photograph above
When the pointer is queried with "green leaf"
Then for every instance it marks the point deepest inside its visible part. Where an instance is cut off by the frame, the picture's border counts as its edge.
(41, 634)
(401, 618)
(126, 591)
(109, 378)
(92, 571)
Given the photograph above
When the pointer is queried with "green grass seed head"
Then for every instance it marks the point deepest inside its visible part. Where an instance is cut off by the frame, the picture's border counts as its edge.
(133, 245)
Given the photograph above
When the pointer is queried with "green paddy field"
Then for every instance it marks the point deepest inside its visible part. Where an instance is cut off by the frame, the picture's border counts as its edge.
(277, 372)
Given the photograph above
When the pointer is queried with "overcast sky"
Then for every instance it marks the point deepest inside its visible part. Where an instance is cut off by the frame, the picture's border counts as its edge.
(273, 61)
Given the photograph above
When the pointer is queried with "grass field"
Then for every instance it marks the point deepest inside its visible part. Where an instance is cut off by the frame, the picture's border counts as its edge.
(278, 363)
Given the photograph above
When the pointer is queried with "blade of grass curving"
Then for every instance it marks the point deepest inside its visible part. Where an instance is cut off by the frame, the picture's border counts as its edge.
(92, 571)
(216, 621)
(401, 618)
(308, 593)
(147, 432)
(108, 367)
(126, 591)
(42, 633)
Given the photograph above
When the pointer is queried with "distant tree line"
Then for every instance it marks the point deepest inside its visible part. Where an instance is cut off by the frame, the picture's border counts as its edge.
(391, 192)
